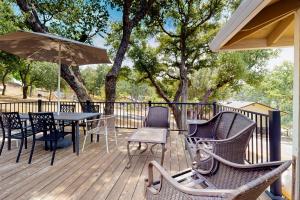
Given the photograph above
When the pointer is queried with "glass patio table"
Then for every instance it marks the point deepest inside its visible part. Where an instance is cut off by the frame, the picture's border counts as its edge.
(76, 118)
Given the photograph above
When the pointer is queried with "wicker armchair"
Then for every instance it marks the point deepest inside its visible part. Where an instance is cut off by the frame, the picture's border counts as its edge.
(227, 180)
(227, 135)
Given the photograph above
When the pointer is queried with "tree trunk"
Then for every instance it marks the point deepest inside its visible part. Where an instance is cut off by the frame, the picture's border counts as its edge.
(50, 95)
(25, 90)
(4, 82)
(4, 88)
(31, 90)
(74, 82)
(112, 75)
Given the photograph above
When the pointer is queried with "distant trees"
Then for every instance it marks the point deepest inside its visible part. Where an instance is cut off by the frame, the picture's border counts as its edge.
(275, 89)
(94, 78)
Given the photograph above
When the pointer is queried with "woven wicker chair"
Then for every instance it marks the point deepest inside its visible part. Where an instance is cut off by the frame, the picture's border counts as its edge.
(158, 117)
(227, 135)
(228, 181)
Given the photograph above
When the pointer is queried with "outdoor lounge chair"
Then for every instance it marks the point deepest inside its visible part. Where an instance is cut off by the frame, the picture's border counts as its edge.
(12, 127)
(104, 125)
(227, 180)
(227, 135)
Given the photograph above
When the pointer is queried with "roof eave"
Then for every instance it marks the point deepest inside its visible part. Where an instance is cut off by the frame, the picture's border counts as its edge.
(243, 14)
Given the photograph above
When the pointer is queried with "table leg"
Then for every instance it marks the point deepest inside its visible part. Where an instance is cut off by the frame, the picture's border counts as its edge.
(162, 154)
(77, 137)
(129, 156)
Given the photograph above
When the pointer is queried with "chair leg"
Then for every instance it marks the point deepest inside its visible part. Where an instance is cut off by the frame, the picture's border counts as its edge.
(9, 143)
(53, 153)
(116, 138)
(31, 152)
(73, 141)
(20, 150)
(84, 141)
(106, 140)
(25, 142)
(2, 144)
(51, 146)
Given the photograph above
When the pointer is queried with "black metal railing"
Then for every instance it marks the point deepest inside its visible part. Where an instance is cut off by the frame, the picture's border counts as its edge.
(130, 115)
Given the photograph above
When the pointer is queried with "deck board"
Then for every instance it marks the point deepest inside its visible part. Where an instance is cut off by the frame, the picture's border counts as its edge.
(93, 175)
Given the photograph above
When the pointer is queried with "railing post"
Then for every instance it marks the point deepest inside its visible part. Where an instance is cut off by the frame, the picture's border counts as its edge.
(214, 108)
(149, 103)
(275, 147)
(39, 105)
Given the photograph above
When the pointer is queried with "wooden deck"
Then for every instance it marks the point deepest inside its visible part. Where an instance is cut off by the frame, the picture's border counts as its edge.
(95, 174)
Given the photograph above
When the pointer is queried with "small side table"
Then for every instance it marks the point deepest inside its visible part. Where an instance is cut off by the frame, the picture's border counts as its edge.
(148, 135)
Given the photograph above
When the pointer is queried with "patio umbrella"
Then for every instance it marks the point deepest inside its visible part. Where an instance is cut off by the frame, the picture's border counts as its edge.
(52, 48)
(266, 24)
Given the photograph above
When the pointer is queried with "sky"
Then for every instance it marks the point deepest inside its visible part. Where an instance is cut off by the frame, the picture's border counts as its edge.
(286, 54)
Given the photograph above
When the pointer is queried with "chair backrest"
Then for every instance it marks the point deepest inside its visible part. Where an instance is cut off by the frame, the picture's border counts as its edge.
(110, 120)
(67, 108)
(90, 108)
(42, 122)
(158, 116)
(228, 124)
(11, 120)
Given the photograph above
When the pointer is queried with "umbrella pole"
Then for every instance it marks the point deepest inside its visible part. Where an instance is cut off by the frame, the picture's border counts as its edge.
(58, 80)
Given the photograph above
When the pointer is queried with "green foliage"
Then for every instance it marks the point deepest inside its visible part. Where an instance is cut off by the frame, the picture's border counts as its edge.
(275, 90)
(230, 72)
(94, 78)
(45, 75)
(8, 21)
(80, 20)
(131, 87)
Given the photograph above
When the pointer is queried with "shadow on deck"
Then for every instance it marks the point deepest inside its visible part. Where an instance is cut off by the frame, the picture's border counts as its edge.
(95, 174)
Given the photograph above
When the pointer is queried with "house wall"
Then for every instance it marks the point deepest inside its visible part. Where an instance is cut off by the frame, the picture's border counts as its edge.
(258, 108)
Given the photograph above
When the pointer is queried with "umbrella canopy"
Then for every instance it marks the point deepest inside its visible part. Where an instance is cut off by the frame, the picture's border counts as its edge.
(52, 48)
(260, 24)
(45, 47)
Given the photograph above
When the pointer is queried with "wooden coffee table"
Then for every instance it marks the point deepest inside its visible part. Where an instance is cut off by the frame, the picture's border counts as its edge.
(147, 135)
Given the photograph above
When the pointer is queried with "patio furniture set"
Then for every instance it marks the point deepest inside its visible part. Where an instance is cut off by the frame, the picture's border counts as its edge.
(219, 170)
(49, 127)
(217, 148)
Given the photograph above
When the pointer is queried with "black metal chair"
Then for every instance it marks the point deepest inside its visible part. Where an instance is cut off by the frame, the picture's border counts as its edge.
(16, 129)
(44, 123)
(67, 108)
(62, 124)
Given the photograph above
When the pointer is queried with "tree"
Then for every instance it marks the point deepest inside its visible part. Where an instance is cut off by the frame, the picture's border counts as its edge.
(79, 20)
(8, 62)
(45, 75)
(275, 89)
(133, 13)
(182, 32)
(94, 78)
(8, 65)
